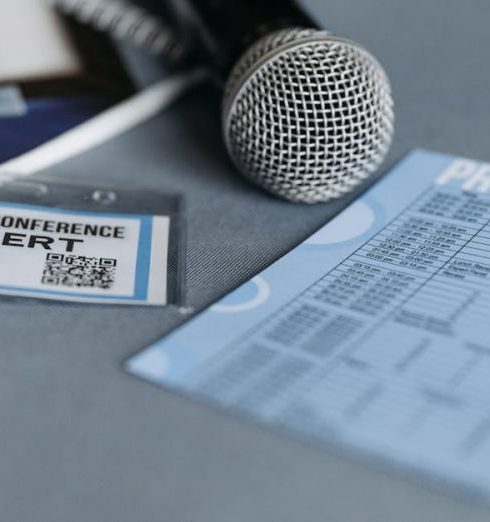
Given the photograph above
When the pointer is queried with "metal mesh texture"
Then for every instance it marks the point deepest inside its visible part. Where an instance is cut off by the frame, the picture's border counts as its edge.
(307, 116)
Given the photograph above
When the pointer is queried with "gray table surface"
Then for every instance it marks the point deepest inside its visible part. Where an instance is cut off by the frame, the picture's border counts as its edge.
(80, 440)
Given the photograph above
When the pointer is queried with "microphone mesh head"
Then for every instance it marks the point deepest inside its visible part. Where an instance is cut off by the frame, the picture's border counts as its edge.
(307, 115)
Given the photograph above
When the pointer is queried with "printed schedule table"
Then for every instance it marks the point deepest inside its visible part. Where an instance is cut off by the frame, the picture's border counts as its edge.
(387, 353)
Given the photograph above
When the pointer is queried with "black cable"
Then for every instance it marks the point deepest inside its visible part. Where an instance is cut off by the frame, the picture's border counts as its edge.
(126, 21)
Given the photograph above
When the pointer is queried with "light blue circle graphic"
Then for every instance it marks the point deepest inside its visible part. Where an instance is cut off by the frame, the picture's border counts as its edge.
(352, 223)
(247, 297)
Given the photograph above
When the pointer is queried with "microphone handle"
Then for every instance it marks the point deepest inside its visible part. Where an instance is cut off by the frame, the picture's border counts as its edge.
(225, 28)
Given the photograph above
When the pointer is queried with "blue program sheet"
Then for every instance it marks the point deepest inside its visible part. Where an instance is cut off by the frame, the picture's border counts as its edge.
(372, 336)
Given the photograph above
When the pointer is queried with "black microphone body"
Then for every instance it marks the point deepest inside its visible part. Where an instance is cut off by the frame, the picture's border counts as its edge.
(224, 29)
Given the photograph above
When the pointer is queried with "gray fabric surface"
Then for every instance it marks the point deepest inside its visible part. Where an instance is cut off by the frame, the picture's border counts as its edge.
(83, 441)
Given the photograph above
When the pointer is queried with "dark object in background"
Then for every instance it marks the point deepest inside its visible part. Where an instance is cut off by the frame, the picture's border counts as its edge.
(56, 105)
(306, 115)
(102, 69)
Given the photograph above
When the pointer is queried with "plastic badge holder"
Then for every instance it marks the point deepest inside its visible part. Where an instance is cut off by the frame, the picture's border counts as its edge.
(87, 243)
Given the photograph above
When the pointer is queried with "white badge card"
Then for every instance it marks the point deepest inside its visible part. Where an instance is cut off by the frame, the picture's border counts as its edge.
(104, 253)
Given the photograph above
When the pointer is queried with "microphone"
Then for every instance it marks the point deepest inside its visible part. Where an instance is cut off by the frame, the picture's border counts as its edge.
(306, 115)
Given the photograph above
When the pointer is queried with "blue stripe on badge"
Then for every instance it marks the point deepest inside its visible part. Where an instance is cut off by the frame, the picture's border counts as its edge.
(144, 257)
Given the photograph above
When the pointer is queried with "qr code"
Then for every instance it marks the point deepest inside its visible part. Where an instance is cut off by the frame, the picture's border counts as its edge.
(79, 271)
